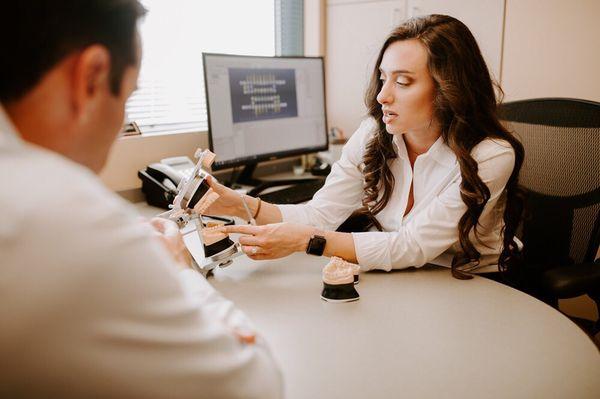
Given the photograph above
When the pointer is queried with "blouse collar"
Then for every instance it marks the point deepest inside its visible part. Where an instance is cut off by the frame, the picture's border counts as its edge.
(439, 151)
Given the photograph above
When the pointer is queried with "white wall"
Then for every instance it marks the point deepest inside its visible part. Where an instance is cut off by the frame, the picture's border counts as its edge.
(551, 49)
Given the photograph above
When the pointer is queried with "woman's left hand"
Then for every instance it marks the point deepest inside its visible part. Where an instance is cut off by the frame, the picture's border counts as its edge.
(272, 241)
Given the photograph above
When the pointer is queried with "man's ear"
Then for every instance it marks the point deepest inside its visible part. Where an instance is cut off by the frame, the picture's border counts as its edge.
(91, 79)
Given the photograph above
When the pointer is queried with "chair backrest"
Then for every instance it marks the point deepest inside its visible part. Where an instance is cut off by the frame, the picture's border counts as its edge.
(561, 175)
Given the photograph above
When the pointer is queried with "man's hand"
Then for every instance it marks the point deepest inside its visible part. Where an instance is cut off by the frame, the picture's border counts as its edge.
(272, 241)
(169, 234)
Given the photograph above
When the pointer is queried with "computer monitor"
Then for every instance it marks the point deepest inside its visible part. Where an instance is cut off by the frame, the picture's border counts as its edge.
(264, 108)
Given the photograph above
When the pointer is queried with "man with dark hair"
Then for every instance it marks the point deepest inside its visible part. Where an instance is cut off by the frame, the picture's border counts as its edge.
(94, 304)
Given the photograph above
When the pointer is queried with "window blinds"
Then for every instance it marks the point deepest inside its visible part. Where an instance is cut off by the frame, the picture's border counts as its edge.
(170, 95)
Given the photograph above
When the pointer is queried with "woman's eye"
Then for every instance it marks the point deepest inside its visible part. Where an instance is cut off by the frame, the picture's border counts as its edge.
(402, 82)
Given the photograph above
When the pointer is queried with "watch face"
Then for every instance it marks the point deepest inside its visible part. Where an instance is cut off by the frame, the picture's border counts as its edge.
(316, 245)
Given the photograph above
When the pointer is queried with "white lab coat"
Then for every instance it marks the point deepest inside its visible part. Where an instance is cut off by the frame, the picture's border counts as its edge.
(91, 305)
(428, 233)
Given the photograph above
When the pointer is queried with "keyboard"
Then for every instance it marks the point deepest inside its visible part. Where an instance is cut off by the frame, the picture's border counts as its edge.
(294, 194)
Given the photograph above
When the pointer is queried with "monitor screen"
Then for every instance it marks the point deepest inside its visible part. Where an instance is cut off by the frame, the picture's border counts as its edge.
(262, 108)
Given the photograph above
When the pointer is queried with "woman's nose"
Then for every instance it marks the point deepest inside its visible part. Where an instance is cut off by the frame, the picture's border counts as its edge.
(384, 96)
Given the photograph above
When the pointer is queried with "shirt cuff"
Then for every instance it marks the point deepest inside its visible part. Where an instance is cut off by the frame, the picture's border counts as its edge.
(293, 213)
(372, 250)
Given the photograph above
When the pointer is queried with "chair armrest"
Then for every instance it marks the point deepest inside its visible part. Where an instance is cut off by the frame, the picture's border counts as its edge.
(571, 281)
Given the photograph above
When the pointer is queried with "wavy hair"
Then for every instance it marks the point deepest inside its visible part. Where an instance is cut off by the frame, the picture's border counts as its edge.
(466, 109)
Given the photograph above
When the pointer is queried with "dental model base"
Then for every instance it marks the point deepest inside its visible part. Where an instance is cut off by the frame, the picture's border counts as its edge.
(194, 197)
(355, 271)
(217, 245)
(338, 281)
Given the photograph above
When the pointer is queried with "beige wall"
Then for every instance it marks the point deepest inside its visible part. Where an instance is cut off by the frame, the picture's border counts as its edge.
(130, 154)
(314, 28)
(551, 49)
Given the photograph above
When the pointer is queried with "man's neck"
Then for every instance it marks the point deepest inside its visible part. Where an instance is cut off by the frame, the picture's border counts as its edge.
(36, 122)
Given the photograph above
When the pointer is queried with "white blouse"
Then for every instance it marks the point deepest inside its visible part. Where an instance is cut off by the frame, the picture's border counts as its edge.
(429, 232)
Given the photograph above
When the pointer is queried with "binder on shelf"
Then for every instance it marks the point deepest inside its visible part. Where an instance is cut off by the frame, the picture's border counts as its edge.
(130, 129)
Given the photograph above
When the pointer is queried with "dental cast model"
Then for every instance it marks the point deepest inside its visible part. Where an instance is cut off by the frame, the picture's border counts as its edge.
(215, 241)
(206, 201)
(194, 197)
(338, 281)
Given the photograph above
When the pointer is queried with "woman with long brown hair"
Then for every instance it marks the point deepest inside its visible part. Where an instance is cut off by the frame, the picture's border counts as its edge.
(431, 169)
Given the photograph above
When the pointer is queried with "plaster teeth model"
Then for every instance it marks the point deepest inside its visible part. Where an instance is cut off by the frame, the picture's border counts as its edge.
(206, 201)
(209, 158)
(215, 241)
(338, 281)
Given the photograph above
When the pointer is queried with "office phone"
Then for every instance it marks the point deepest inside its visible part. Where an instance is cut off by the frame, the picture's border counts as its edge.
(160, 179)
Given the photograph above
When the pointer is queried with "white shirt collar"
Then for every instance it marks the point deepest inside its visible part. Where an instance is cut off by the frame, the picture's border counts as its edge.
(439, 151)
(8, 133)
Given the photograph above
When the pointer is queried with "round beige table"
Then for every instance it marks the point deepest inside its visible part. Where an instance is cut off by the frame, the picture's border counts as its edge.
(413, 334)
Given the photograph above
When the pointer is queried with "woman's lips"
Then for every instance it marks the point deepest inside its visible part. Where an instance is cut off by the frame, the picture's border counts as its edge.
(388, 117)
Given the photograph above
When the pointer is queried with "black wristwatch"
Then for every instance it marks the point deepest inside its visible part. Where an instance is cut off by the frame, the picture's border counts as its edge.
(316, 245)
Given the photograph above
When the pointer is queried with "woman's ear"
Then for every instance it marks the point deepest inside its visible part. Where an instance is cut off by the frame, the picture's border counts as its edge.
(91, 79)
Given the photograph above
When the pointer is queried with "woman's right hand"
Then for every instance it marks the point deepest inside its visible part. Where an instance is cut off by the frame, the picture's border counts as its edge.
(229, 202)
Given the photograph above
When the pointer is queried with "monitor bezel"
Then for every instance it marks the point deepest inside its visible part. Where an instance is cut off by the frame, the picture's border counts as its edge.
(219, 165)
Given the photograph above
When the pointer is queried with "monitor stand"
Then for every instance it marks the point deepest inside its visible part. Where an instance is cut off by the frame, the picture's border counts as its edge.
(245, 178)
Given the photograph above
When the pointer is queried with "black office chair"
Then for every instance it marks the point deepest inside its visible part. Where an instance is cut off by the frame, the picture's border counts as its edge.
(561, 176)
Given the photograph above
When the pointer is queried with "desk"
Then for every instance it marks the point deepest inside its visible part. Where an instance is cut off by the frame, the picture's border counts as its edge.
(413, 334)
